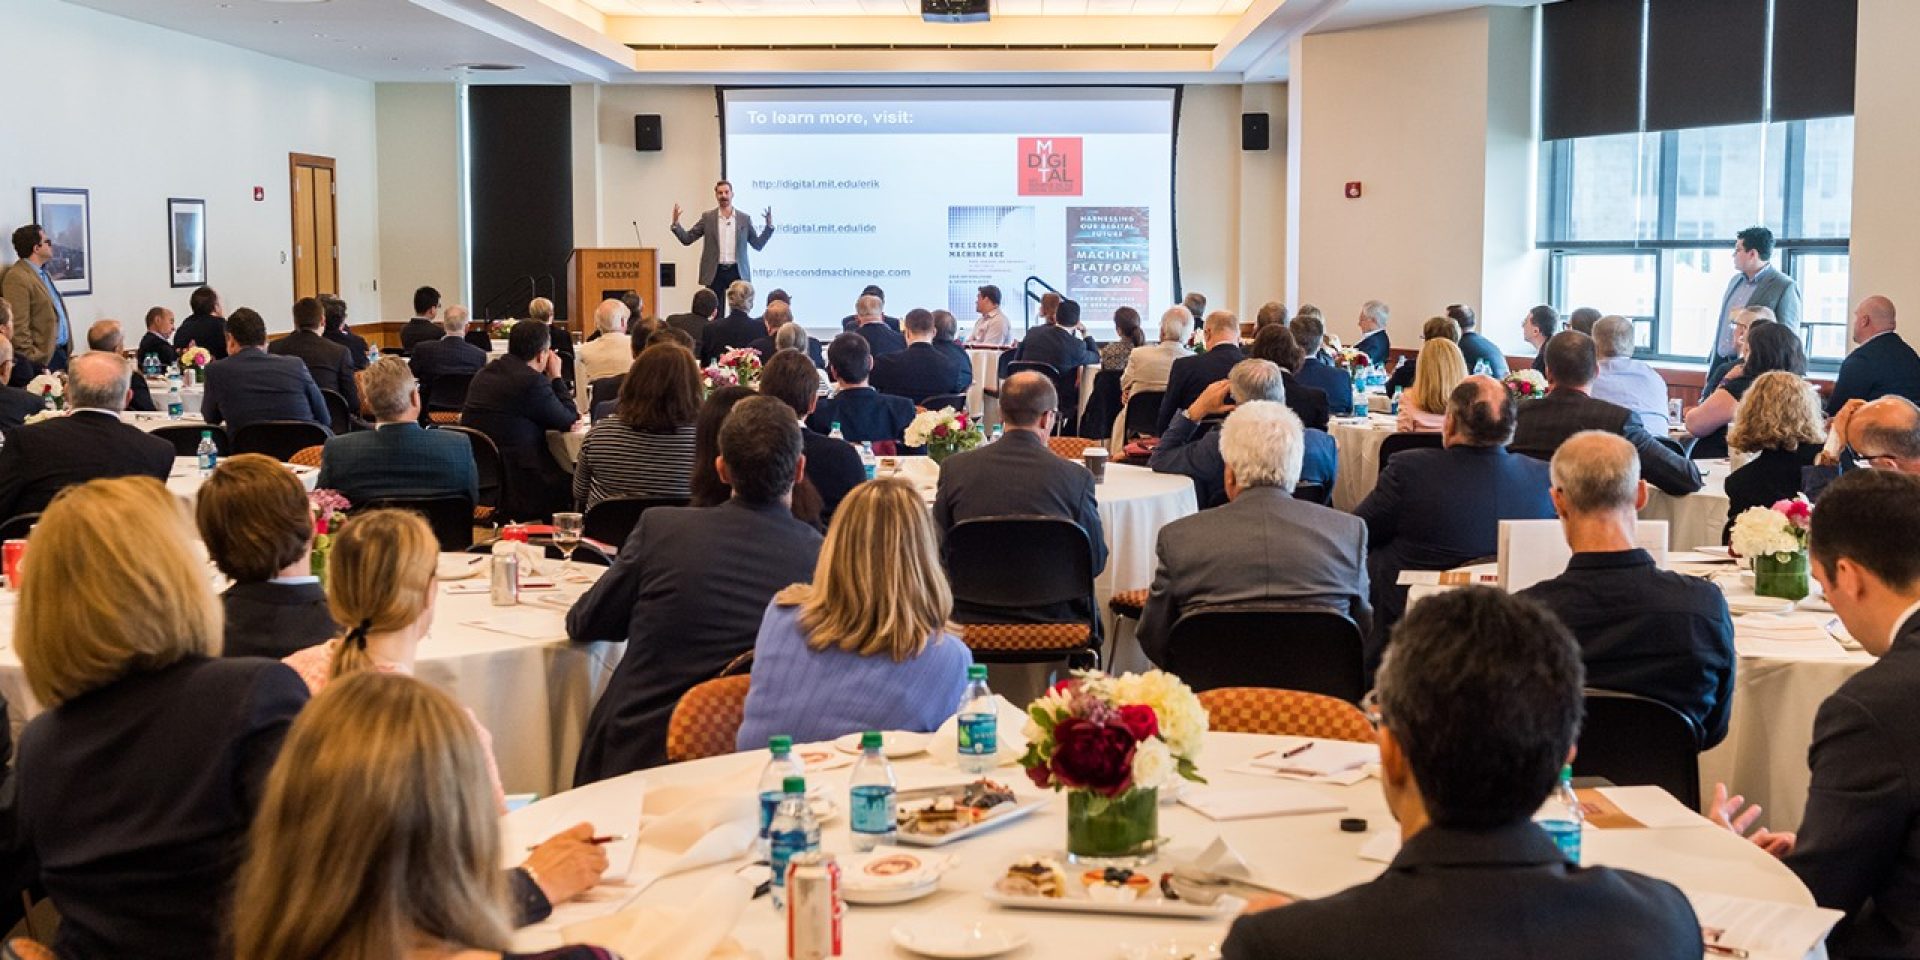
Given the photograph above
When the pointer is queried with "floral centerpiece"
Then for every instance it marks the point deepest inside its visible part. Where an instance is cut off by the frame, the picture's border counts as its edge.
(1526, 384)
(1775, 539)
(943, 432)
(1112, 743)
(739, 366)
(329, 508)
(499, 329)
(52, 391)
(194, 360)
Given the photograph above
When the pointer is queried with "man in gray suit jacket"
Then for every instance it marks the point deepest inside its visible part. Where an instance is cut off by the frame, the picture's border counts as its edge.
(1757, 284)
(729, 235)
(1262, 544)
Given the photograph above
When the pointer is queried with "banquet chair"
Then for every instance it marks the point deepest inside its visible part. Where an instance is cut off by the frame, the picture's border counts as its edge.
(448, 392)
(707, 718)
(1003, 568)
(1066, 387)
(1128, 603)
(1141, 410)
(946, 401)
(279, 439)
(1070, 447)
(450, 517)
(1634, 740)
(1103, 405)
(185, 437)
(488, 467)
(17, 528)
(343, 420)
(1318, 493)
(1290, 646)
(307, 456)
(604, 389)
(1395, 442)
(612, 520)
(21, 948)
(1292, 713)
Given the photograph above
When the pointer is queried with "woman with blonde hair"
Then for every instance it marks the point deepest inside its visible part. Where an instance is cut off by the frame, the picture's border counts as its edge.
(376, 838)
(866, 645)
(1780, 426)
(1436, 328)
(1423, 406)
(138, 782)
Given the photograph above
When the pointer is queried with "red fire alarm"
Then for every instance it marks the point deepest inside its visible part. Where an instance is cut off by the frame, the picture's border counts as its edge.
(1353, 189)
(260, 193)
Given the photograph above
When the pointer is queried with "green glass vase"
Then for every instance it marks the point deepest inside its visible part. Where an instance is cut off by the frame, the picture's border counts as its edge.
(1782, 575)
(939, 450)
(1122, 830)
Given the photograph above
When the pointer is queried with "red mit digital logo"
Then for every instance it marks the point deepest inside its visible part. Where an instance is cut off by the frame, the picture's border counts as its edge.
(1050, 166)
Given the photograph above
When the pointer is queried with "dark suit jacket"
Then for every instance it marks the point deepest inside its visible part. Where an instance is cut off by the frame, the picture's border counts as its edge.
(419, 330)
(1859, 843)
(1885, 364)
(958, 354)
(140, 396)
(202, 330)
(1056, 347)
(267, 619)
(1191, 376)
(42, 459)
(446, 356)
(477, 336)
(330, 364)
(136, 798)
(864, 414)
(1310, 404)
(1476, 348)
(918, 372)
(1500, 894)
(1018, 475)
(24, 370)
(736, 329)
(1662, 635)
(851, 321)
(1336, 383)
(156, 345)
(516, 405)
(1544, 424)
(399, 460)
(1375, 345)
(16, 405)
(767, 350)
(1265, 545)
(834, 467)
(881, 338)
(685, 610)
(254, 385)
(691, 324)
(1772, 476)
(1193, 450)
(356, 346)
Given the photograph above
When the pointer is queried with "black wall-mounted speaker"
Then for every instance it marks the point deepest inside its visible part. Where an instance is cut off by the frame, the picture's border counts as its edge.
(1253, 131)
(646, 132)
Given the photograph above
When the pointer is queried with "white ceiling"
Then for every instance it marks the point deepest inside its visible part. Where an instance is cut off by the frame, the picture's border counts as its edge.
(911, 8)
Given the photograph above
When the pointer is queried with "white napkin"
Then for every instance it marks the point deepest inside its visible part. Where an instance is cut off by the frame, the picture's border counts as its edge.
(1243, 803)
(1312, 758)
(1382, 847)
(1764, 627)
(696, 931)
(696, 826)
(1010, 737)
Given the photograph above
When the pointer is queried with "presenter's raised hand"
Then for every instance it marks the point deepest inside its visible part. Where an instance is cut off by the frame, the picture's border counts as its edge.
(768, 214)
(676, 214)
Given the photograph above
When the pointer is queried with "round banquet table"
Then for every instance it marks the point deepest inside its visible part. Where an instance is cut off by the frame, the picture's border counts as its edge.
(986, 373)
(512, 666)
(190, 397)
(1305, 854)
(1356, 442)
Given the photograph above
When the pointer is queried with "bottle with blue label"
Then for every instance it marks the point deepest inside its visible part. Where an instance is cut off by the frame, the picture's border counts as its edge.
(176, 401)
(792, 832)
(835, 432)
(1561, 817)
(868, 461)
(207, 455)
(978, 724)
(1481, 368)
(873, 807)
(149, 365)
(780, 766)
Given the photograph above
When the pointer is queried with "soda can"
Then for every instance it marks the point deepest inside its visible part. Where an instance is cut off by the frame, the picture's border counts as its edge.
(505, 579)
(813, 906)
(11, 555)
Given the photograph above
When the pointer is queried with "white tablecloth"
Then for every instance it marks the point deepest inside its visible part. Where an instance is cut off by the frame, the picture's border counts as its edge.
(190, 397)
(986, 373)
(1698, 518)
(1356, 442)
(1306, 854)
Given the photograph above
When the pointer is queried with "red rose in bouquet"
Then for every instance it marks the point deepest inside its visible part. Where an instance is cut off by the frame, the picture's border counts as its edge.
(1093, 756)
(1140, 720)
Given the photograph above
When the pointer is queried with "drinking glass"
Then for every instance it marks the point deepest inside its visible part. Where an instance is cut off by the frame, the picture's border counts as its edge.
(567, 528)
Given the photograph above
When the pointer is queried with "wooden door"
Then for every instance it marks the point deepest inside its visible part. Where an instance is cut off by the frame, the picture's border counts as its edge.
(316, 248)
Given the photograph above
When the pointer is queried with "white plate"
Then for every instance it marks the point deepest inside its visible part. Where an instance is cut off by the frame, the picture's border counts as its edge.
(1757, 604)
(1220, 909)
(1019, 809)
(894, 743)
(1177, 949)
(460, 566)
(1715, 550)
(957, 939)
(825, 810)
(882, 897)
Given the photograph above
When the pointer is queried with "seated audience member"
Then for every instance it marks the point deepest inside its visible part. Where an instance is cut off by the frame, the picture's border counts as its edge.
(1481, 355)
(849, 322)
(515, 399)
(1423, 405)
(1582, 320)
(646, 448)
(16, 405)
(881, 332)
(328, 363)
(946, 327)
(699, 316)
(609, 354)
(1770, 347)
(735, 330)
(205, 326)
(1373, 332)
(779, 316)
(378, 823)
(452, 355)
(1189, 376)
(255, 519)
(337, 331)
(397, 458)
(41, 459)
(866, 645)
(1479, 707)
(1126, 337)
(1641, 630)
(637, 314)
(833, 466)
(1780, 426)
(862, 413)
(1855, 847)
(1438, 509)
(425, 323)
(540, 310)
(1190, 447)
(1624, 381)
(252, 385)
(1060, 344)
(1883, 434)
(156, 342)
(104, 336)
(992, 329)
(1310, 332)
(1271, 313)
(137, 783)
(686, 605)
(24, 367)
(1018, 475)
(1881, 363)
(921, 370)
(1567, 409)
(1742, 321)
(1275, 344)
(1436, 328)
(1538, 327)
(1263, 544)
(1148, 367)
(710, 488)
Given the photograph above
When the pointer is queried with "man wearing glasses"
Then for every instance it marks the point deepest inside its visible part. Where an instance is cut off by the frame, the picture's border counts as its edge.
(41, 332)
(1883, 434)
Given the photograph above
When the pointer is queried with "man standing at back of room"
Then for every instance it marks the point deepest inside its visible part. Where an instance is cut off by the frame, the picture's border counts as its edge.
(41, 331)
(1755, 284)
(729, 235)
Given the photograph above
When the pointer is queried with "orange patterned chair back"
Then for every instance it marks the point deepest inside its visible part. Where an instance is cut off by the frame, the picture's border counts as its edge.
(1069, 447)
(1284, 713)
(306, 456)
(21, 948)
(444, 417)
(706, 719)
(1128, 603)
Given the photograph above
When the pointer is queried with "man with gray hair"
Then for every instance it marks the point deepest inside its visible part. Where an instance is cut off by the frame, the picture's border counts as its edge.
(16, 405)
(1191, 445)
(452, 355)
(1191, 376)
(921, 371)
(397, 458)
(1196, 304)
(1149, 366)
(1883, 435)
(1373, 332)
(735, 330)
(778, 318)
(1264, 545)
(609, 355)
(870, 321)
(41, 459)
(105, 336)
(1624, 381)
(1641, 630)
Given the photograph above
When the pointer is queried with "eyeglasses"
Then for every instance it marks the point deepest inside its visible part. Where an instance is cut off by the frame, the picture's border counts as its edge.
(1879, 462)
(1370, 705)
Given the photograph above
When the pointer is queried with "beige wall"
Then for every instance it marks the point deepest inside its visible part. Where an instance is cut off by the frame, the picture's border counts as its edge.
(1886, 139)
(421, 207)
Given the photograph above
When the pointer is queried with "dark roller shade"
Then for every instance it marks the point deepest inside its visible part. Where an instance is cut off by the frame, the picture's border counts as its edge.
(1590, 68)
(1813, 56)
(1706, 60)
(521, 193)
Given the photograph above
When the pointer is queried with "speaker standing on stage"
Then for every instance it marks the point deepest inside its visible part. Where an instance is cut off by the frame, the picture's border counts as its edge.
(728, 234)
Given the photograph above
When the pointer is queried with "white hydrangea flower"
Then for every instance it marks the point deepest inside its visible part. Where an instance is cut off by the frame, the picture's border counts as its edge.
(1759, 531)
(1153, 765)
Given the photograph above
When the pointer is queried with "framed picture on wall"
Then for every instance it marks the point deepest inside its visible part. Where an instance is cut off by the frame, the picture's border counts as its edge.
(187, 241)
(67, 217)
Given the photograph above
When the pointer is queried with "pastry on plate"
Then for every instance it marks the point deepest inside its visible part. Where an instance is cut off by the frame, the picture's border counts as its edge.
(1034, 877)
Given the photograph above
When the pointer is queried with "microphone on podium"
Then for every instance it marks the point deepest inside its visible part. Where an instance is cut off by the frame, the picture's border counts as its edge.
(636, 235)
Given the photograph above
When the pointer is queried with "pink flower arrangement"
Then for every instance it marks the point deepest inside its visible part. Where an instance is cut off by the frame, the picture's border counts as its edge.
(741, 364)
(327, 502)
(1526, 384)
(196, 357)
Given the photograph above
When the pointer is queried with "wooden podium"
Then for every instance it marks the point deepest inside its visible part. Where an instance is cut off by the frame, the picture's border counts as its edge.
(603, 273)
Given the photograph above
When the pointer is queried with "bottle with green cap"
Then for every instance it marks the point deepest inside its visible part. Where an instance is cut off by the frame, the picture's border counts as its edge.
(978, 724)
(793, 832)
(873, 810)
(781, 765)
(1561, 817)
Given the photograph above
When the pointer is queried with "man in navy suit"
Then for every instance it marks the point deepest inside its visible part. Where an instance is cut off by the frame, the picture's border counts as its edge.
(397, 458)
(425, 323)
(1437, 509)
(16, 405)
(862, 413)
(921, 370)
(451, 355)
(852, 320)
(155, 342)
(41, 459)
(833, 466)
(206, 326)
(1311, 334)
(694, 323)
(1191, 445)
(515, 399)
(882, 337)
(252, 385)
(1475, 348)
(1568, 408)
(331, 364)
(1055, 344)
(1373, 332)
(1882, 363)
(1192, 375)
(779, 314)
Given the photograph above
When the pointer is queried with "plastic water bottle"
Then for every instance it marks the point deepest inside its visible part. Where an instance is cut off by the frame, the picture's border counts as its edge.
(373, 353)
(867, 459)
(176, 403)
(207, 454)
(782, 765)
(1561, 817)
(149, 365)
(1481, 368)
(835, 432)
(979, 724)
(999, 430)
(873, 810)
(792, 832)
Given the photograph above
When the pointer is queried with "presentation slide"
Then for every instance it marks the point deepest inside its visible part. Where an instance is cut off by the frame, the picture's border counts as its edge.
(932, 193)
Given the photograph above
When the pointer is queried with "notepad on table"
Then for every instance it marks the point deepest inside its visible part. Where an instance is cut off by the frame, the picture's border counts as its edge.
(1316, 758)
(1272, 800)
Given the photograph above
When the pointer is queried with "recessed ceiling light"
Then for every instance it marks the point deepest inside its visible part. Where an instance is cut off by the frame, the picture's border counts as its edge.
(487, 67)
(294, 1)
